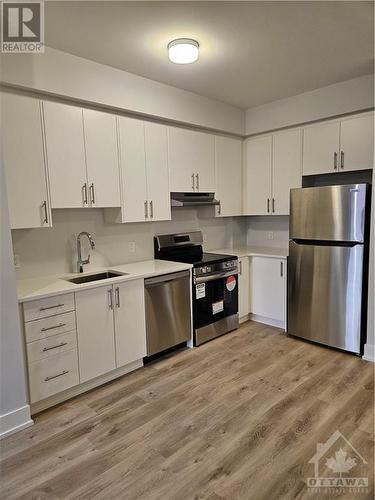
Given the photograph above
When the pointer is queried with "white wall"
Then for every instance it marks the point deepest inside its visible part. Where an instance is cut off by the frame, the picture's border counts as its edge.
(61, 74)
(338, 99)
(259, 229)
(14, 412)
(52, 251)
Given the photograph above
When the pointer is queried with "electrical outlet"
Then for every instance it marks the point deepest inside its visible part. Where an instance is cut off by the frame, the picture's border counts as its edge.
(270, 235)
(17, 261)
(132, 246)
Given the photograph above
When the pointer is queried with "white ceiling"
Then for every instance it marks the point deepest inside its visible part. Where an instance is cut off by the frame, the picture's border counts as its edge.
(251, 52)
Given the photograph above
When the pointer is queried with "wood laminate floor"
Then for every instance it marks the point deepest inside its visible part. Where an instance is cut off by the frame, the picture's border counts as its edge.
(237, 418)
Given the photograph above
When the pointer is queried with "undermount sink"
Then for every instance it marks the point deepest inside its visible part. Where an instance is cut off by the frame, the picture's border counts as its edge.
(95, 277)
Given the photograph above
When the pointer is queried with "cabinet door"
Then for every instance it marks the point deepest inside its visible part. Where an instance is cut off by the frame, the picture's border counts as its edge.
(130, 325)
(181, 159)
(102, 158)
(65, 155)
(25, 169)
(156, 147)
(133, 169)
(268, 288)
(95, 332)
(320, 145)
(228, 175)
(244, 287)
(258, 176)
(204, 159)
(286, 168)
(357, 143)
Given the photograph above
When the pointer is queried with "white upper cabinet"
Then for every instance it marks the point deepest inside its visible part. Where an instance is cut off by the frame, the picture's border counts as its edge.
(130, 324)
(228, 175)
(157, 172)
(65, 155)
(191, 160)
(25, 167)
(286, 168)
(321, 146)
(102, 158)
(132, 170)
(357, 143)
(144, 171)
(258, 165)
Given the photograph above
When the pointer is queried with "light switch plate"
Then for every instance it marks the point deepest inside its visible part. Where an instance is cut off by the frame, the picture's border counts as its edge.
(132, 246)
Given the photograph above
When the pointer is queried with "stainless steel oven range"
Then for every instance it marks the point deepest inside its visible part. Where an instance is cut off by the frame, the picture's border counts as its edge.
(214, 282)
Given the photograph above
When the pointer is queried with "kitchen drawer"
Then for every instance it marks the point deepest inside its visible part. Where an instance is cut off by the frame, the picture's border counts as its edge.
(45, 348)
(52, 375)
(51, 306)
(47, 327)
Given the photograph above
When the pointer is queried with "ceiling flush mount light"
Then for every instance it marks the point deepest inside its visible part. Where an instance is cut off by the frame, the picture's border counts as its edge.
(183, 51)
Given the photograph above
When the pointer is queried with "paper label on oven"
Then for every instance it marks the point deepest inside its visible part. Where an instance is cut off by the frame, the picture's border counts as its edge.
(200, 290)
(230, 283)
(217, 307)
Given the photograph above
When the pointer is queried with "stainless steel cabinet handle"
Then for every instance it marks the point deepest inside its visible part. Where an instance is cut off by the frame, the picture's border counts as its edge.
(335, 160)
(92, 193)
(146, 209)
(50, 307)
(192, 182)
(273, 205)
(281, 268)
(52, 327)
(219, 208)
(342, 160)
(240, 267)
(45, 349)
(151, 209)
(84, 193)
(197, 179)
(268, 205)
(64, 372)
(117, 296)
(44, 206)
(110, 298)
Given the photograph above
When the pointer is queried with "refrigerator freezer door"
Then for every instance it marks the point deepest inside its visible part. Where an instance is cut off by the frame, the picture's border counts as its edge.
(330, 213)
(324, 294)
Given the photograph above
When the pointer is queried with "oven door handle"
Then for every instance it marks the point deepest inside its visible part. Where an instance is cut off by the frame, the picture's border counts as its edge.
(204, 279)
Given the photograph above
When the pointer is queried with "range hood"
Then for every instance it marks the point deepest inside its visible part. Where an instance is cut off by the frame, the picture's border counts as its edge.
(193, 199)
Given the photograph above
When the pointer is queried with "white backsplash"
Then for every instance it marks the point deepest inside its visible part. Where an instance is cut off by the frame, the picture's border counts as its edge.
(52, 251)
(260, 230)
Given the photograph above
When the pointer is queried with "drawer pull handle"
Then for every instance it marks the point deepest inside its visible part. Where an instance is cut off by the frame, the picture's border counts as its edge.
(64, 372)
(45, 349)
(51, 307)
(52, 327)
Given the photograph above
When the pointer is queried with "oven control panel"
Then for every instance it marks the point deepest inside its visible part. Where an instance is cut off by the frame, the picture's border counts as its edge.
(215, 268)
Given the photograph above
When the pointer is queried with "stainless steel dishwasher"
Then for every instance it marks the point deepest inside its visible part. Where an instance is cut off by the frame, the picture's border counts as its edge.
(168, 314)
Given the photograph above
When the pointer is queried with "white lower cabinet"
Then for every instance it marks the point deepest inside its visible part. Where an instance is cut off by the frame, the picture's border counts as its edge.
(244, 287)
(95, 332)
(130, 324)
(268, 290)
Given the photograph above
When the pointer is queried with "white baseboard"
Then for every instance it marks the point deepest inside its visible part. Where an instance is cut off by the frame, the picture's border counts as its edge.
(268, 321)
(369, 354)
(15, 421)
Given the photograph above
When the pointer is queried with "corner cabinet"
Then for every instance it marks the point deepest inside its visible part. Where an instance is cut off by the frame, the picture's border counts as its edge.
(82, 156)
(111, 330)
(143, 171)
(24, 161)
(272, 168)
(228, 176)
(339, 145)
(191, 158)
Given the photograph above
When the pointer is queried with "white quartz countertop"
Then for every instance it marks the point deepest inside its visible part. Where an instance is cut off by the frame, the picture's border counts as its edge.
(252, 251)
(38, 288)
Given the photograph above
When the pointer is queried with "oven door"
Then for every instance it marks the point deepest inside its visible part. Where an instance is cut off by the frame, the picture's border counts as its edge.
(215, 305)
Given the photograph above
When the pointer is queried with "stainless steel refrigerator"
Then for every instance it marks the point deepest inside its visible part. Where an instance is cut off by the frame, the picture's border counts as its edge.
(327, 264)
